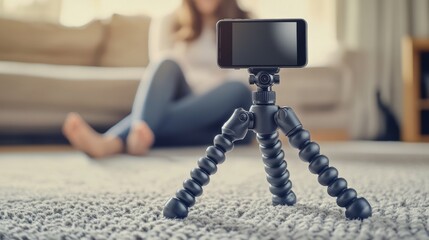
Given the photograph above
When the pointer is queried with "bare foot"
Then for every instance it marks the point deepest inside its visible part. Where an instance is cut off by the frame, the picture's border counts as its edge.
(140, 139)
(84, 138)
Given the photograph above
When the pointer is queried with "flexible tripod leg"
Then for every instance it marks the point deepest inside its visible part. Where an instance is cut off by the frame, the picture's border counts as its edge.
(234, 129)
(276, 169)
(356, 208)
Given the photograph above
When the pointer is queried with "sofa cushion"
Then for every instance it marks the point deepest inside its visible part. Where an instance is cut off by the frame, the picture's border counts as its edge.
(38, 96)
(49, 43)
(314, 88)
(126, 43)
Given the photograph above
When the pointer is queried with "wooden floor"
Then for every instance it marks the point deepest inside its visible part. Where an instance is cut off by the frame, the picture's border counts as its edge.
(316, 135)
(35, 148)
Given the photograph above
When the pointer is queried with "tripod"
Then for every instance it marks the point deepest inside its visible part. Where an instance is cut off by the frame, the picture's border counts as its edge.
(264, 117)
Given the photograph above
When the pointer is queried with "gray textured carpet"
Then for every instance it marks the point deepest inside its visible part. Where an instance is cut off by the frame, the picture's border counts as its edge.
(67, 196)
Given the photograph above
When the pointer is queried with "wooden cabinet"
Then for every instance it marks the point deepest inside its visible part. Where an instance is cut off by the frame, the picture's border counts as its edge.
(415, 71)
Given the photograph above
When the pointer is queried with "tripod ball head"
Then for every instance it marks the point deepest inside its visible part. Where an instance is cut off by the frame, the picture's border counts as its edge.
(264, 77)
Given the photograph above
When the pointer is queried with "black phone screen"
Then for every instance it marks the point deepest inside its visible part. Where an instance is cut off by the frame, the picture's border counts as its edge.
(252, 43)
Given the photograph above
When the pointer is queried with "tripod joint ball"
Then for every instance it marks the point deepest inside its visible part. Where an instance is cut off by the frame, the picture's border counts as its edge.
(264, 118)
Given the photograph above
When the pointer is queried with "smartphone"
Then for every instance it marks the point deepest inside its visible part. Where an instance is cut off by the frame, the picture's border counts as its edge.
(261, 43)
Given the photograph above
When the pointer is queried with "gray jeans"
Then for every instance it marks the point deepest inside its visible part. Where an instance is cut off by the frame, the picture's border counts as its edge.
(178, 117)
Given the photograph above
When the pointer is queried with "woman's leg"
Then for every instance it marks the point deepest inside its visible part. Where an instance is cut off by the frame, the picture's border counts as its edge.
(167, 84)
(162, 83)
(195, 114)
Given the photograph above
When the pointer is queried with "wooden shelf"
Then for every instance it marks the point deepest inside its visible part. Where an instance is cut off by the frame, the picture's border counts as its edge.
(424, 104)
(413, 104)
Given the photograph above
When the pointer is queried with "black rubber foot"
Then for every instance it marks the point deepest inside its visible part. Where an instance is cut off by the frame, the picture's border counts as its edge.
(174, 208)
(359, 209)
(289, 199)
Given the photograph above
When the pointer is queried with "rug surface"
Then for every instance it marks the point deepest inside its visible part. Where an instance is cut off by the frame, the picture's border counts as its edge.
(65, 195)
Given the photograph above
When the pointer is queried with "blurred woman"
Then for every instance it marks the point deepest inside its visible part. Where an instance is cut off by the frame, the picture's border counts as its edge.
(183, 98)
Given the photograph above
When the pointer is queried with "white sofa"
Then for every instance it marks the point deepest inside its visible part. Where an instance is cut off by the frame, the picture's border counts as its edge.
(36, 94)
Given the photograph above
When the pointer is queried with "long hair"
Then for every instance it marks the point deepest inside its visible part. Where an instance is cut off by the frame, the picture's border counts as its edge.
(188, 23)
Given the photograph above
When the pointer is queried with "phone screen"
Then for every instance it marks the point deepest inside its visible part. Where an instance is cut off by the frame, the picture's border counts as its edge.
(253, 43)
